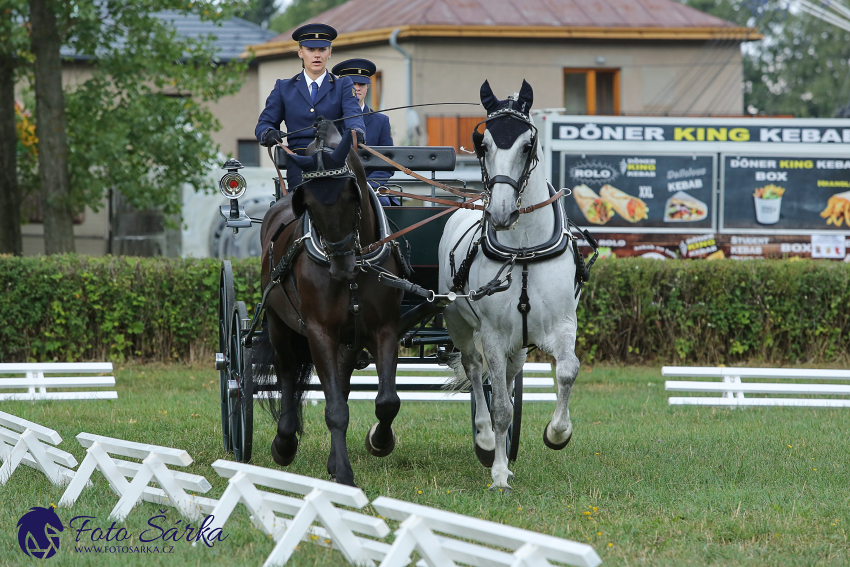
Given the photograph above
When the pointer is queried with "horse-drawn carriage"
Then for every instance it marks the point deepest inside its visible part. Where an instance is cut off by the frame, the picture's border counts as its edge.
(406, 262)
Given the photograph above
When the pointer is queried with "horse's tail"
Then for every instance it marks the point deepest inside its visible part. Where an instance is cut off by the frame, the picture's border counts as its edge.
(264, 374)
(461, 382)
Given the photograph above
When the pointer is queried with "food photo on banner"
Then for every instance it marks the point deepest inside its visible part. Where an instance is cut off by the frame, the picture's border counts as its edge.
(786, 193)
(640, 191)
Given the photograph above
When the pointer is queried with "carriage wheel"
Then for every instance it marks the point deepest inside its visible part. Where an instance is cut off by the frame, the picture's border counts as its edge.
(512, 436)
(226, 300)
(240, 388)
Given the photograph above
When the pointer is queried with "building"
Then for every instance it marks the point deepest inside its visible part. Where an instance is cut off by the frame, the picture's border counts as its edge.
(144, 233)
(630, 57)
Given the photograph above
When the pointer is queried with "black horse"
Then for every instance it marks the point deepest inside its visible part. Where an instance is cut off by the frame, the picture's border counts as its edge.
(326, 309)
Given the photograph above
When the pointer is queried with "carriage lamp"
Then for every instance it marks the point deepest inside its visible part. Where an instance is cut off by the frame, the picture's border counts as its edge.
(232, 185)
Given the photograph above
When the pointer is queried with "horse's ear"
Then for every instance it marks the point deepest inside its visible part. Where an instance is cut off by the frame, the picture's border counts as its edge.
(477, 143)
(304, 163)
(526, 98)
(488, 99)
(341, 151)
(298, 206)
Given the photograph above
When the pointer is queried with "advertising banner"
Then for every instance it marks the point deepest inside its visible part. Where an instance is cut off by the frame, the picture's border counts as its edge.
(786, 193)
(640, 191)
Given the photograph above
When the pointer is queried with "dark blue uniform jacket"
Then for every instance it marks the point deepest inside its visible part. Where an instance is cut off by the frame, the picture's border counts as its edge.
(290, 102)
(378, 134)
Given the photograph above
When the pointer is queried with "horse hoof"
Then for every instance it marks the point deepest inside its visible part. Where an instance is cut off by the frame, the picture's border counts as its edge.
(555, 446)
(506, 490)
(287, 457)
(485, 457)
(375, 451)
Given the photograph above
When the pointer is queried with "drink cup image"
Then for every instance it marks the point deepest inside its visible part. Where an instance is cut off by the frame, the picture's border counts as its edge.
(768, 202)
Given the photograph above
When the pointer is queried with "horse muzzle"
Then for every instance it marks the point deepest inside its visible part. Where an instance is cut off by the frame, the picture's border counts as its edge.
(503, 215)
(343, 267)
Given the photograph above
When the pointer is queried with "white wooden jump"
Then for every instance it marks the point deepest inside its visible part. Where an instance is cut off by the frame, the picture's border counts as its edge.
(33, 445)
(172, 484)
(317, 504)
(418, 524)
(733, 391)
(36, 383)
(438, 378)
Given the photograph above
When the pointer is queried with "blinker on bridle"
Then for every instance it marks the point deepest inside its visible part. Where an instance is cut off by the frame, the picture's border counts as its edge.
(480, 152)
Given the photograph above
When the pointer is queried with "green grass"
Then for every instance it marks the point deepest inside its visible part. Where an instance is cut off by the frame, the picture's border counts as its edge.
(642, 482)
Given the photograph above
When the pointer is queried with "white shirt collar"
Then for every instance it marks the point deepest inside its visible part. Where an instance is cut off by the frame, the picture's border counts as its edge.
(363, 107)
(317, 81)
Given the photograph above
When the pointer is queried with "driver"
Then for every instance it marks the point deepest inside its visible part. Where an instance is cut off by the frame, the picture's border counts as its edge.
(311, 93)
(377, 124)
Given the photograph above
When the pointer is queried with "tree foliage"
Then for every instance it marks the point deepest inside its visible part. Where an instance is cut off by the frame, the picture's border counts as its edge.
(139, 124)
(300, 11)
(801, 65)
(258, 11)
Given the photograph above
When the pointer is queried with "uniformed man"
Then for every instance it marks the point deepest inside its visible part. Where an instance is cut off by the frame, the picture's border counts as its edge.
(312, 93)
(377, 125)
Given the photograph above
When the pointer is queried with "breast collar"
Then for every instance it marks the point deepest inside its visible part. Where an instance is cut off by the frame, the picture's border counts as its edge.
(315, 250)
(553, 247)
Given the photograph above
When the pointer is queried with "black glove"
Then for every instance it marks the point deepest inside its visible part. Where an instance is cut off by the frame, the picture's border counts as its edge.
(272, 137)
(361, 138)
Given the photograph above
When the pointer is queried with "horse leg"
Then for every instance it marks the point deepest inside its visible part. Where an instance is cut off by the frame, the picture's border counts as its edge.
(380, 439)
(500, 406)
(558, 432)
(473, 366)
(287, 362)
(326, 349)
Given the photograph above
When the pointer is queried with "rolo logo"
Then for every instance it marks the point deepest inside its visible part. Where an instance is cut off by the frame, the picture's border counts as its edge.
(38, 532)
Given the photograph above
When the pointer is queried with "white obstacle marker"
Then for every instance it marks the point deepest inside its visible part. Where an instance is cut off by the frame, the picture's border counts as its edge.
(733, 390)
(37, 383)
(28, 443)
(528, 549)
(337, 525)
(430, 388)
(153, 467)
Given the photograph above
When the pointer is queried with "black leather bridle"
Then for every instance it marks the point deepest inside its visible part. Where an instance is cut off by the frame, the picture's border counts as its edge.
(481, 153)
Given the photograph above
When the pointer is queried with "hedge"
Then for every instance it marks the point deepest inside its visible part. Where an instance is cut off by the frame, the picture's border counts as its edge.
(75, 307)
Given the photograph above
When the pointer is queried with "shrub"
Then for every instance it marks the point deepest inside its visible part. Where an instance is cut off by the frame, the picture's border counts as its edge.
(74, 307)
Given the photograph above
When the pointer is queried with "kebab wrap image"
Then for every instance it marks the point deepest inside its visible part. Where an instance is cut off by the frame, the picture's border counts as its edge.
(682, 207)
(595, 210)
(630, 208)
(837, 209)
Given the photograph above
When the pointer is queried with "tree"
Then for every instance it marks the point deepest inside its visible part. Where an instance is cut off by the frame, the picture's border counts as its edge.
(300, 11)
(799, 68)
(139, 125)
(51, 129)
(259, 11)
(12, 45)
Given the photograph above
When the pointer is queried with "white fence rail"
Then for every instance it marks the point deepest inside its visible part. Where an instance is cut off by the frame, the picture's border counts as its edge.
(529, 549)
(733, 390)
(317, 505)
(33, 445)
(38, 377)
(172, 484)
(429, 388)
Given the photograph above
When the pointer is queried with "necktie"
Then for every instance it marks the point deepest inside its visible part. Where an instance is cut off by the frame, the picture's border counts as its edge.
(314, 90)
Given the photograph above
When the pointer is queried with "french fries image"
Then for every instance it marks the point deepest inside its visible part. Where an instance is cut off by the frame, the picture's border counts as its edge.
(837, 209)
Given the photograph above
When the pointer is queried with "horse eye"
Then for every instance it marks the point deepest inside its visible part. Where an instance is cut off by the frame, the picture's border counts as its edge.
(526, 148)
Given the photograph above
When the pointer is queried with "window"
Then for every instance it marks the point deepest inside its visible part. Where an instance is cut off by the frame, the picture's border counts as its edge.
(453, 131)
(248, 152)
(592, 91)
(375, 92)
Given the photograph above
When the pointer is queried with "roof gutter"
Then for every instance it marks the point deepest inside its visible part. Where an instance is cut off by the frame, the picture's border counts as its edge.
(411, 115)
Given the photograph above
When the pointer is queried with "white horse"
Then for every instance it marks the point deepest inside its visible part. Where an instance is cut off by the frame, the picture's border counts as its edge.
(512, 162)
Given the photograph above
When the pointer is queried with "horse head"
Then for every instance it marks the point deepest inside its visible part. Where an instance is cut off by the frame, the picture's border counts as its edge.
(507, 151)
(331, 193)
